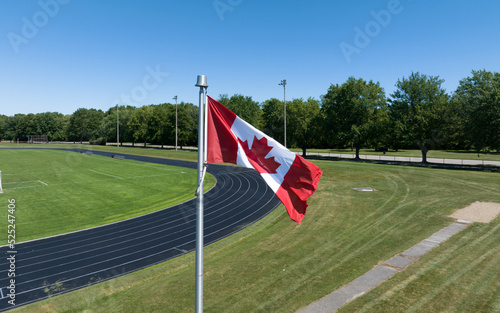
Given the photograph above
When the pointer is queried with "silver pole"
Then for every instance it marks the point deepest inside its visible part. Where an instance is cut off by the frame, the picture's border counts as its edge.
(117, 128)
(175, 98)
(283, 83)
(202, 83)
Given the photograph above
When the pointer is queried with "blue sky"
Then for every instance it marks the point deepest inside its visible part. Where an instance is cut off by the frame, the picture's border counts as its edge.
(60, 55)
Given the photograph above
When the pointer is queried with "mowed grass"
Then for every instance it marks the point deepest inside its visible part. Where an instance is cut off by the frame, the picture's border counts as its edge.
(188, 155)
(462, 275)
(437, 154)
(277, 265)
(59, 191)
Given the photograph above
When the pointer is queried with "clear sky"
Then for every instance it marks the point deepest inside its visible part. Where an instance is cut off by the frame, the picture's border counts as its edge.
(60, 55)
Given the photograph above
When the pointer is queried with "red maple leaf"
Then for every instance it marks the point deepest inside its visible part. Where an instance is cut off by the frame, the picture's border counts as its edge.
(257, 155)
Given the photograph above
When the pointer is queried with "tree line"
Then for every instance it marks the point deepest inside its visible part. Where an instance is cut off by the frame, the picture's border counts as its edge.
(419, 114)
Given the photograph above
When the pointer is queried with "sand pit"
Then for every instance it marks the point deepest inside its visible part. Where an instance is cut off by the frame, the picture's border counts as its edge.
(483, 212)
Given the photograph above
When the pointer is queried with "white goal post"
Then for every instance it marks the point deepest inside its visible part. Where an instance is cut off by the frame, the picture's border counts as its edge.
(1, 190)
(38, 139)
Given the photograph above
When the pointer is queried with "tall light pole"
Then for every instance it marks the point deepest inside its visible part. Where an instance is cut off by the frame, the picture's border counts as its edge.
(283, 83)
(117, 128)
(175, 98)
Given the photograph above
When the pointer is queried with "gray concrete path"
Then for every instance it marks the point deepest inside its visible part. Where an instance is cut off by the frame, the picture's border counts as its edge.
(380, 273)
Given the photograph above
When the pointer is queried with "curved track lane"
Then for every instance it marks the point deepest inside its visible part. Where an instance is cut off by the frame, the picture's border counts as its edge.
(52, 266)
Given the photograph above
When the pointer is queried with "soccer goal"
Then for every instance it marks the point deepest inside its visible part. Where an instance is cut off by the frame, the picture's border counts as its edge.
(38, 139)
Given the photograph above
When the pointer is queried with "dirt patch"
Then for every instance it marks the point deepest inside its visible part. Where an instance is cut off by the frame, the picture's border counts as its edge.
(483, 212)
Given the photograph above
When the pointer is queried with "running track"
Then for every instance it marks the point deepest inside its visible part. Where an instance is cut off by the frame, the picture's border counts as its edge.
(52, 266)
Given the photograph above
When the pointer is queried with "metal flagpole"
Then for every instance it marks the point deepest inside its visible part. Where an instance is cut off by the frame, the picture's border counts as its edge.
(283, 83)
(202, 83)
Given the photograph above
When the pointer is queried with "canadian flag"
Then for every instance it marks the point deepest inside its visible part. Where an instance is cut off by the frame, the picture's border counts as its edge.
(232, 140)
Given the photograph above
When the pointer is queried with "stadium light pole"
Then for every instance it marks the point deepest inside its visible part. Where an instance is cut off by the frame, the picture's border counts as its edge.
(175, 98)
(283, 83)
(117, 128)
(202, 83)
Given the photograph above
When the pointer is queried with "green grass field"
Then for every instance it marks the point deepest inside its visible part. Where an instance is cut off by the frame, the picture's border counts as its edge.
(277, 265)
(438, 154)
(58, 191)
(188, 155)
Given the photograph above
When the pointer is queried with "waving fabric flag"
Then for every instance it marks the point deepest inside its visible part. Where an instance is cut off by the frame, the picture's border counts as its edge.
(232, 140)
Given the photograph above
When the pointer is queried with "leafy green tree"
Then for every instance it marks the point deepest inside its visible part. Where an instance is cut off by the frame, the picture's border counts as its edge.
(125, 114)
(107, 129)
(140, 124)
(84, 124)
(26, 126)
(162, 129)
(272, 119)
(108, 124)
(244, 107)
(3, 119)
(187, 122)
(352, 112)
(478, 100)
(417, 108)
(301, 130)
(50, 124)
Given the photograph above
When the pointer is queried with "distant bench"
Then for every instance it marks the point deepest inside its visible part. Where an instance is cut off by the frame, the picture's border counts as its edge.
(119, 157)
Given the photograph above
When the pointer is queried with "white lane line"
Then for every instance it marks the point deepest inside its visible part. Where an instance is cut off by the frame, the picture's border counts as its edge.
(106, 174)
(43, 183)
(22, 182)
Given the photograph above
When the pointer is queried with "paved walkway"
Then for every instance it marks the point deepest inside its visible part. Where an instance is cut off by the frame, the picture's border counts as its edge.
(380, 273)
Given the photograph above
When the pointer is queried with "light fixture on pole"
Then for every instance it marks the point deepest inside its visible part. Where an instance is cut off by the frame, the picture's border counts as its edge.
(175, 98)
(202, 83)
(283, 83)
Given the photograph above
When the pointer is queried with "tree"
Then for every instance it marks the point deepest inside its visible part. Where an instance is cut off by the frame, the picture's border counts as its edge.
(11, 130)
(140, 124)
(272, 119)
(108, 124)
(3, 120)
(187, 121)
(353, 112)
(478, 100)
(301, 130)
(417, 108)
(244, 107)
(84, 124)
(26, 126)
(50, 124)
(162, 128)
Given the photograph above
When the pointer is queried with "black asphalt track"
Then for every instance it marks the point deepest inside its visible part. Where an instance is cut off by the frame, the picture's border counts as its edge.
(52, 266)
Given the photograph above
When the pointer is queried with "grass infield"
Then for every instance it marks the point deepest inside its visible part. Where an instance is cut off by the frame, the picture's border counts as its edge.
(59, 191)
(277, 265)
